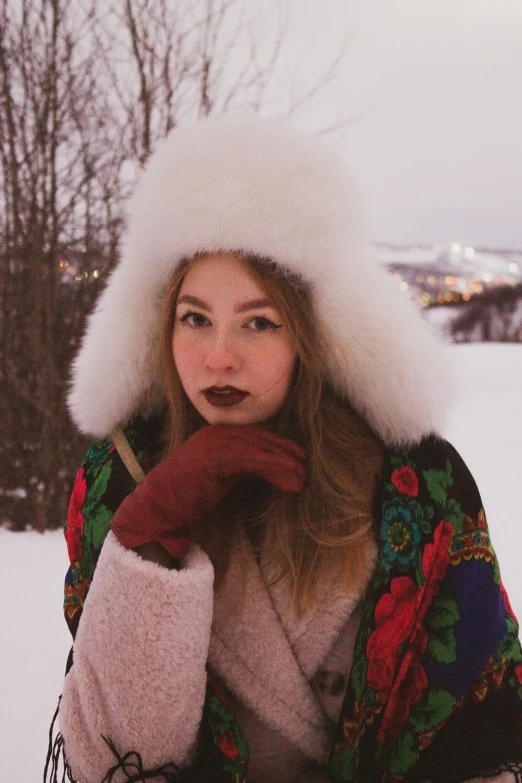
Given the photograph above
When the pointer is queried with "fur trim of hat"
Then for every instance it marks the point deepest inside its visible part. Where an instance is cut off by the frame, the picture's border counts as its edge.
(259, 186)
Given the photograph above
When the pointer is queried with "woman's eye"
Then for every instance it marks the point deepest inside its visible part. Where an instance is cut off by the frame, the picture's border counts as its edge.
(262, 324)
(193, 319)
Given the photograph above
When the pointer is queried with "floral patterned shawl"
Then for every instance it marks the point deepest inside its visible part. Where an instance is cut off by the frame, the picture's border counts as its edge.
(435, 691)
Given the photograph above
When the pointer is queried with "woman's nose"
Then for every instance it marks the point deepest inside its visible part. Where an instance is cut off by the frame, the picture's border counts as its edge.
(222, 354)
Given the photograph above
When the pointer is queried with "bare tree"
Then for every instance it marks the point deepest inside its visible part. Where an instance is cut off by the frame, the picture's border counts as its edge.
(56, 193)
(167, 61)
(86, 92)
(494, 316)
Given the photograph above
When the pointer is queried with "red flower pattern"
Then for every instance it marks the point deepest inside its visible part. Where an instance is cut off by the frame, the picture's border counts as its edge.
(73, 534)
(398, 680)
(410, 681)
(518, 673)
(394, 620)
(228, 747)
(405, 480)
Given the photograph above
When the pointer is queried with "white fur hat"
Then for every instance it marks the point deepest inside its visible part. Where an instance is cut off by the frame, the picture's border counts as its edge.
(259, 186)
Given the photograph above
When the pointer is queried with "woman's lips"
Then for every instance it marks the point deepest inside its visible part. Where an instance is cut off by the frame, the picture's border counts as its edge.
(224, 400)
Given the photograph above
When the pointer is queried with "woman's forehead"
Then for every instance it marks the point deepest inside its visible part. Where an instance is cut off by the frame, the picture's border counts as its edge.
(221, 275)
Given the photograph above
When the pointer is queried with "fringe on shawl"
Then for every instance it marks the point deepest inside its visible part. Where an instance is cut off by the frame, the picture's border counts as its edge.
(56, 766)
(57, 769)
(131, 765)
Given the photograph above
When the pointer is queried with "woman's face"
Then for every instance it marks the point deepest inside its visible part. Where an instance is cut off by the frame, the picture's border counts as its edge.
(231, 348)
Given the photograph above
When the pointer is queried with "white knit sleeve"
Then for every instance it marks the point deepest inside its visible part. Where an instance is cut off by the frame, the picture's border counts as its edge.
(140, 654)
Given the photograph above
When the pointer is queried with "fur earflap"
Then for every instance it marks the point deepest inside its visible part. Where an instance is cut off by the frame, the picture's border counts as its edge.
(259, 186)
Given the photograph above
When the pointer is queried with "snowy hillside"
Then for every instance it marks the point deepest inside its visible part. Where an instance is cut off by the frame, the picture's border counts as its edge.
(477, 264)
(485, 426)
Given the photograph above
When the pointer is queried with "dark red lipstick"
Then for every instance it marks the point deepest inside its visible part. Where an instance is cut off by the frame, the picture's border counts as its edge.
(224, 396)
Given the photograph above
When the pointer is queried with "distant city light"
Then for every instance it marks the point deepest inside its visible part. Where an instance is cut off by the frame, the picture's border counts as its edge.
(96, 273)
(436, 278)
(63, 264)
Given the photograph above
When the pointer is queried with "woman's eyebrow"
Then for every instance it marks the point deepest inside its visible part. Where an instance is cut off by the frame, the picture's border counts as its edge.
(193, 300)
(242, 308)
(252, 305)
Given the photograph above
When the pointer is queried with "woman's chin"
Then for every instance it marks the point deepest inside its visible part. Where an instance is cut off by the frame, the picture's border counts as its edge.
(231, 416)
(226, 416)
(245, 420)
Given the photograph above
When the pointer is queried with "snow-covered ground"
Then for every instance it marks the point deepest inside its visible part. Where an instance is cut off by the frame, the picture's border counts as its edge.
(485, 426)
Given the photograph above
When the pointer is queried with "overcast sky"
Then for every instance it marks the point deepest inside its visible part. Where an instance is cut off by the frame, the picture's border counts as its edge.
(439, 147)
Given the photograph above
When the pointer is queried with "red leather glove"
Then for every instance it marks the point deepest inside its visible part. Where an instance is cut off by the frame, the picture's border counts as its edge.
(197, 475)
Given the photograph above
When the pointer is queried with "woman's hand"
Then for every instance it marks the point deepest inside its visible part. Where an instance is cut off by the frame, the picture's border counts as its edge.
(195, 477)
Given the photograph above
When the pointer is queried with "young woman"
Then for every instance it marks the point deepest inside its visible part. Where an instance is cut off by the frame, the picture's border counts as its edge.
(289, 571)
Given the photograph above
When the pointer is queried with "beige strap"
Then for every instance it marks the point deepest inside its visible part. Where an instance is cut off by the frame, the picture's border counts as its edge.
(127, 455)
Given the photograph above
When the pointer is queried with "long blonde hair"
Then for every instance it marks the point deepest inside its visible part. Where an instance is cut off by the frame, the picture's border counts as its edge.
(328, 523)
